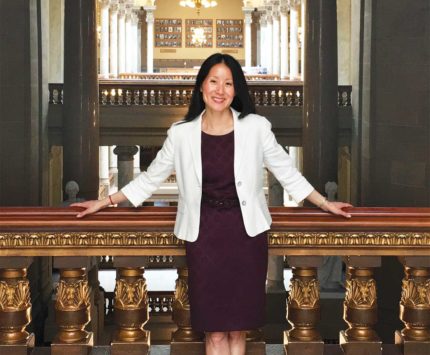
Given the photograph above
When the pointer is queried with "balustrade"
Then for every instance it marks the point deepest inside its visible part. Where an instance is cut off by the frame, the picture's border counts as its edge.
(131, 236)
(179, 92)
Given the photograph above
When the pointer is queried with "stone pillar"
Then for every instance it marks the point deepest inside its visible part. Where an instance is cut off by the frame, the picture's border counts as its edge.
(125, 166)
(113, 160)
(294, 43)
(248, 42)
(150, 38)
(104, 163)
(128, 40)
(284, 42)
(113, 44)
(121, 40)
(320, 105)
(104, 38)
(263, 39)
(139, 44)
(275, 43)
(269, 48)
(302, 38)
(81, 106)
(134, 20)
(136, 161)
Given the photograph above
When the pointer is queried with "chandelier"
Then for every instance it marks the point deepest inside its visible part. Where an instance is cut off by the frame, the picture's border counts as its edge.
(198, 4)
(198, 37)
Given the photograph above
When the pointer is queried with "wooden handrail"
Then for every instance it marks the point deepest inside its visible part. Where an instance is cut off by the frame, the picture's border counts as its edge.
(149, 231)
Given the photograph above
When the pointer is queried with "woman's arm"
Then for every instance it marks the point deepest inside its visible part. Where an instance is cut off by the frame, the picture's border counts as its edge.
(329, 206)
(97, 205)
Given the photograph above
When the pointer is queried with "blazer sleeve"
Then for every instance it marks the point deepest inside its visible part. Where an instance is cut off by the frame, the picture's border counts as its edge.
(142, 187)
(277, 160)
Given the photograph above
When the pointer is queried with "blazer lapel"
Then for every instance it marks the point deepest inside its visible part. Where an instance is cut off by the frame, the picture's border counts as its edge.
(195, 142)
(240, 138)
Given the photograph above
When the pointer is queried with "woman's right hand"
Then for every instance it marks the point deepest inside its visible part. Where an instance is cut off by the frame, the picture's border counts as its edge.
(90, 207)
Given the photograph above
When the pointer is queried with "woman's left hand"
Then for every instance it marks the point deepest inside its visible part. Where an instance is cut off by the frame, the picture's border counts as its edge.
(336, 208)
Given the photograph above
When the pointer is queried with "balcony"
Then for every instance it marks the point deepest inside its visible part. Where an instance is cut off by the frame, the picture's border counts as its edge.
(136, 111)
(304, 236)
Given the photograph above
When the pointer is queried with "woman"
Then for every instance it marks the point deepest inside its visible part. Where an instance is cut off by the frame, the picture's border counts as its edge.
(218, 153)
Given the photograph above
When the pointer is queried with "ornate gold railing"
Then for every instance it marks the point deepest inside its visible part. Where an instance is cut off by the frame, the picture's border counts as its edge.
(178, 93)
(303, 235)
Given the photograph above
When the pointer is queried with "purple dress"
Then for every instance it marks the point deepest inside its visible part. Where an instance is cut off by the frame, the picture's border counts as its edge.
(227, 268)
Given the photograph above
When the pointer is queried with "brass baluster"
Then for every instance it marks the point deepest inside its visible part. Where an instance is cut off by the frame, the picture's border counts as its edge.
(303, 307)
(130, 311)
(414, 339)
(184, 340)
(72, 313)
(15, 308)
(360, 307)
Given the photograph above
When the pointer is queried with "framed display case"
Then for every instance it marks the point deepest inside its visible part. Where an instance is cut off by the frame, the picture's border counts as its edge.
(199, 33)
(229, 33)
(168, 33)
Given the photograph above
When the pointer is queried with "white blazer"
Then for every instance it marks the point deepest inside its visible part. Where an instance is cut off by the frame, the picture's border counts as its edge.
(255, 146)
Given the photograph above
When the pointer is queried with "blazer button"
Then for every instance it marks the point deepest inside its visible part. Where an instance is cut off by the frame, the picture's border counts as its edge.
(243, 203)
(239, 183)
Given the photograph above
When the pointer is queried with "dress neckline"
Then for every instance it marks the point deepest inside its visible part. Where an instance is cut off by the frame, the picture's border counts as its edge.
(217, 135)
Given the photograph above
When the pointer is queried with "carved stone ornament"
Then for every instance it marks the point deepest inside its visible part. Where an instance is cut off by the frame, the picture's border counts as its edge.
(360, 293)
(415, 293)
(14, 297)
(167, 239)
(181, 293)
(72, 296)
(305, 294)
(130, 296)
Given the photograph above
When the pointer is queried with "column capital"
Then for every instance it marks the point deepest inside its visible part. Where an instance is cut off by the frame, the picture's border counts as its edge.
(284, 10)
(104, 3)
(114, 8)
(149, 13)
(294, 3)
(125, 152)
(248, 14)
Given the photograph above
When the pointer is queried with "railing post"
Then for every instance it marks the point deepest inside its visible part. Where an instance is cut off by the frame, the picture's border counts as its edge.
(15, 306)
(360, 307)
(414, 339)
(72, 307)
(303, 307)
(130, 308)
(185, 341)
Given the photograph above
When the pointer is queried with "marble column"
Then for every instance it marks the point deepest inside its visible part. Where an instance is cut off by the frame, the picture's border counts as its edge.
(136, 161)
(268, 48)
(248, 43)
(139, 45)
(81, 107)
(125, 166)
(113, 160)
(150, 38)
(113, 39)
(263, 40)
(104, 38)
(128, 40)
(294, 43)
(284, 42)
(121, 41)
(302, 38)
(134, 20)
(320, 107)
(275, 43)
(104, 163)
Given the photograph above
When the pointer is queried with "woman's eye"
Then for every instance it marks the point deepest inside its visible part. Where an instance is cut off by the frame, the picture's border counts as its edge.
(229, 84)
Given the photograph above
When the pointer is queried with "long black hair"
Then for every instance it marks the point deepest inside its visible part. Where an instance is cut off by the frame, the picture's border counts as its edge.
(242, 100)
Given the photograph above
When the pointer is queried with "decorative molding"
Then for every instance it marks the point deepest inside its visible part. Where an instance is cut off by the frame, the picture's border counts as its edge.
(181, 293)
(73, 295)
(14, 297)
(304, 293)
(415, 293)
(360, 293)
(46, 240)
(131, 295)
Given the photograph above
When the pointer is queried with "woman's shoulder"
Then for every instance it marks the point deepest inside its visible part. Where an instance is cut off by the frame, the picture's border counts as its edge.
(257, 121)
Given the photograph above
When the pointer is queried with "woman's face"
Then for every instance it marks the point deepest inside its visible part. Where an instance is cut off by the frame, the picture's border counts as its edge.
(218, 89)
